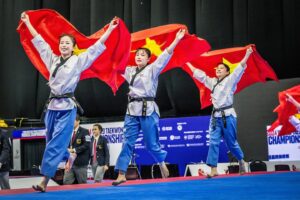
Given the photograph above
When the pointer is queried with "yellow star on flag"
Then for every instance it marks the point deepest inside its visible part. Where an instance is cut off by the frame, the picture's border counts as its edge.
(153, 47)
(77, 51)
(232, 66)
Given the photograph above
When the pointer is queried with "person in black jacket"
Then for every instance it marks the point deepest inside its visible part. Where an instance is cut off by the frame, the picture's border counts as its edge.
(5, 150)
(79, 145)
(100, 153)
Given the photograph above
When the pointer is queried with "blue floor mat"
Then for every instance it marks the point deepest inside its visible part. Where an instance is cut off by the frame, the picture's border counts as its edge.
(265, 186)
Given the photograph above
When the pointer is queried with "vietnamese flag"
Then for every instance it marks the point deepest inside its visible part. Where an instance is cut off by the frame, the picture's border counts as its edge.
(51, 25)
(285, 110)
(157, 39)
(258, 70)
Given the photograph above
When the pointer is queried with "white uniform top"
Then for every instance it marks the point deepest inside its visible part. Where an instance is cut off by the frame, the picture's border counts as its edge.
(224, 91)
(145, 85)
(68, 74)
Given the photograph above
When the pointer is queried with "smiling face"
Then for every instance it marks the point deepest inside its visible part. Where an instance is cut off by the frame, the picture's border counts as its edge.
(66, 46)
(142, 57)
(222, 71)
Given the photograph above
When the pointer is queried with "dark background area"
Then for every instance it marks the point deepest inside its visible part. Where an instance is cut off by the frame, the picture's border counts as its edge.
(272, 25)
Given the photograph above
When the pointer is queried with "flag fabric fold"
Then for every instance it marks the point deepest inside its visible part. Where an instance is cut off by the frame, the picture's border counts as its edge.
(157, 39)
(284, 110)
(51, 25)
(258, 70)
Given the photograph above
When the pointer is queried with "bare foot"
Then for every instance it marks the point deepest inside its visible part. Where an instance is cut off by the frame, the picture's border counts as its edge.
(213, 172)
(39, 188)
(121, 179)
(242, 168)
(164, 170)
(211, 175)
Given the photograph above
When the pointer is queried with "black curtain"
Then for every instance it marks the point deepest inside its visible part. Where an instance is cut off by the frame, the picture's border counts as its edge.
(32, 153)
(273, 25)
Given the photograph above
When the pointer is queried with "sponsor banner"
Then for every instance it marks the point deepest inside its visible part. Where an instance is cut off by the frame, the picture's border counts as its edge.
(185, 139)
(33, 133)
(283, 148)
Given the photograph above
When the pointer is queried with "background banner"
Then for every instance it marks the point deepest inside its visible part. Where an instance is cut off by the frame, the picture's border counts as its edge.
(185, 139)
(283, 148)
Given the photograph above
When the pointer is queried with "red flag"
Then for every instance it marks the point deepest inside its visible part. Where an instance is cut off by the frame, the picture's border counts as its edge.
(51, 25)
(271, 129)
(159, 38)
(285, 110)
(257, 68)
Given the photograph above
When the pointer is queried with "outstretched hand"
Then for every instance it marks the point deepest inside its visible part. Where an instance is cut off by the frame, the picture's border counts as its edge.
(249, 51)
(180, 34)
(113, 23)
(24, 17)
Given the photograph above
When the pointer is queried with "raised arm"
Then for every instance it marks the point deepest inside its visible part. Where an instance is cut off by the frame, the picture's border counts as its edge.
(247, 55)
(25, 19)
(201, 76)
(179, 36)
(293, 101)
(163, 59)
(112, 25)
(192, 68)
(93, 52)
(238, 72)
(39, 43)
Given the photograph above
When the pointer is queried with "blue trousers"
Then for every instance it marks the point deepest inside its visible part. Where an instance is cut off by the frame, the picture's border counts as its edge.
(59, 125)
(132, 127)
(216, 131)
